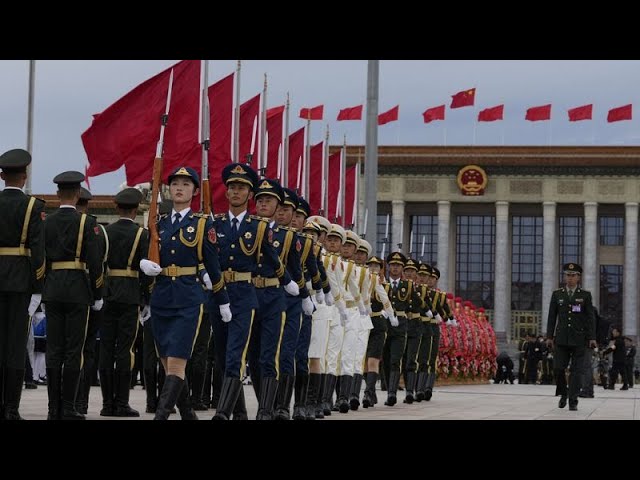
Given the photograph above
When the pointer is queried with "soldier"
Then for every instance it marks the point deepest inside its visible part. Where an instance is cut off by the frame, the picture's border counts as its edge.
(414, 334)
(74, 283)
(439, 308)
(21, 275)
(126, 291)
(428, 336)
(95, 316)
(570, 328)
(187, 240)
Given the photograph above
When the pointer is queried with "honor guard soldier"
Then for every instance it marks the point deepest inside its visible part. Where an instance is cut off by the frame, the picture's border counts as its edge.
(89, 368)
(187, 243)
(245, 244)
(21, 275)
(428, 349)
(73, 283)
(414, 332)
(126, 290)
(571, 329)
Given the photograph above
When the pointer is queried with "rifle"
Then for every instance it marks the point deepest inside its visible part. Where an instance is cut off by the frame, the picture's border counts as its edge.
(154, 238)
(204, 134)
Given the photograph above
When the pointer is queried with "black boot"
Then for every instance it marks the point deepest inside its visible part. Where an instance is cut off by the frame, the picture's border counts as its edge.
(107, 386)
(370, 390)
(428, 392)
(70, 383)
(268, 391)
(12, 393)
(208, 383)
(54, 390)
(85, 390)
(184, 404)
(410, 385)
(283, 397)
(345, 392)
(319, 408)
(327, 394)
(315, 380)
(300, 401)
(392, 388)
(168, 396)
(81, 406)
(151, 389)
(197, 388)
(421, 385)
(354, 400)
(121, 402)
(240, 408)
(229, 391)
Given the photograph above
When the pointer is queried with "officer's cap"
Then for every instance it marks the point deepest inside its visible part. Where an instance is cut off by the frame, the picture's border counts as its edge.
(15, 160)
(435, 272)
(68, 180)
(291, 198)
(411, 264)
(303, 207)
(364, 246)
(270, 187)
(188, 172)
(85, 195)
(424, 269)
(353, 238)
(241, 173)
(128, 198)
(375, 260)
(572, 269)
(323, 222)
(312, 227)
(396, 257)
(337, 231)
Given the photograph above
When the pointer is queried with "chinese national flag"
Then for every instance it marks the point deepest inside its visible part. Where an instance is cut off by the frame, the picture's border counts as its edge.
(314, 113)
(466, 98)
(435, 113)
(491, 114)
(353, 113)
(620, 113)
(542, 112)
(580, 113)
(389, 116)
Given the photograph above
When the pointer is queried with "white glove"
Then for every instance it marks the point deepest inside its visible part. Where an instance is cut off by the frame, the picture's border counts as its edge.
(97, 305)
(362, 309)
(394, 321)
(329, 299)
(429, 314)
(454, 322)
(36, 298)
(308, 306)
(369, 311)
(438, 318)
(42, 307)
(449, 322)
(384, 314)
(145, 314)
(343, 318)
(292, 289)
(225, 311)
(207, 281)
(149, 268)
(320, 297)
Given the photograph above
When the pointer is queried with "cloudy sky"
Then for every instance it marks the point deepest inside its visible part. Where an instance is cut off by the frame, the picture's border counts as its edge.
(67, 93)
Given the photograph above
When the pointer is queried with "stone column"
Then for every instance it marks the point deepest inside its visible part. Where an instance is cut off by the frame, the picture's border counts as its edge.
(549, 259)
(589, 279)
(398, 225)
(444, 218)
(630, 272)
(502, 281)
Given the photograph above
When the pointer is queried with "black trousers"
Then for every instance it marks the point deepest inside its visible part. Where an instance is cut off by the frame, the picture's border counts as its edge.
(89, 352)
(14, 328)
(119, 330)
(414, 333)
(564, 356)
(66, 332)
(394, 346)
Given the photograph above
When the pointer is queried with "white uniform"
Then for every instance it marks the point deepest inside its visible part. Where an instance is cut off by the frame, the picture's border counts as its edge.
(352, 326)
(365, 286)
(336, 328)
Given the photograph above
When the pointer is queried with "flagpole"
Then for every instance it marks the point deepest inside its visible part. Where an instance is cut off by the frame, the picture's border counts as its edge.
(205, 130)
(325, 175)
(32, 81)
(343, 183)
(236, 119)
(285, 157)
(262, 162)
(355, 216)
(307, 150)
(371, 149)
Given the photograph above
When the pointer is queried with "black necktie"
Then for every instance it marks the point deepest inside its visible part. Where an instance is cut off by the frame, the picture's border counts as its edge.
(234, 227)
(176, 218)
(570, 294)
(395, 285)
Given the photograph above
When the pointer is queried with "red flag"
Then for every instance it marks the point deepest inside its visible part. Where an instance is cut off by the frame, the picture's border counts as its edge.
(296, 148)
(349, 196)
(314, 197)
(465, 98)
(221, 120)
(250, 130)
(314, 113)
(491, 114)
(275, 116)
(620, 113)
(334, 185)
(127, 132)
(580, 113)
(535, 114)
(352, 113)
(389, 116)
(435, 113)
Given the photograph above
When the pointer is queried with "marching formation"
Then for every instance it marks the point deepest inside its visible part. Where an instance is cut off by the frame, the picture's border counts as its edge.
(301, 301)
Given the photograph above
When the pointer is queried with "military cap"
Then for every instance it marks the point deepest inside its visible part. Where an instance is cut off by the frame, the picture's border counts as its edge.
(411, 264)
(572, 268)
(129, 197)
(291, 198)
(323, 222)
(376, 260)
(239, 172)
(312, 226)
(353, 238)
(85, 195)
(396, 257)
(435, 272)
(188, 172)
(337, 231)
(303, 207)
(364, 246)
(15, 160)
(267, 186)
(424, 269)
(69, 180)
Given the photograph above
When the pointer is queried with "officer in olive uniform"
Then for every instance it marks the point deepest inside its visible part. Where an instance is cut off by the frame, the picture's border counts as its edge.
(414, 335)
(73, 283)
(571, 328)
(428, 338)
(126, 290)
(21, 275)
(95, 316)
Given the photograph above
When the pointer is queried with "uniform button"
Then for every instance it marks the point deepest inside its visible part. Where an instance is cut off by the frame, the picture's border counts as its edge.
(569, 325)
(173, 238)
(173, 251)
(260, 265)
(173, 278)
(231, 257)
(233, 245)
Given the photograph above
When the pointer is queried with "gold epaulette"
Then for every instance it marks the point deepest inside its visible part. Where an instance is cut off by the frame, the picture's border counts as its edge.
(256, 217)
(201, 215)
(220, 216)
(289, 229)
(305, 235)
(163, 215)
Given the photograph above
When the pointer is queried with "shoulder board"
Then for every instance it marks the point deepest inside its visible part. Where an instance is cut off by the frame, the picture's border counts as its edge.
(92, 216)
(304, 235)
(560, 289)
(38, 199)
(283, 227)
(220, 216)
(163, 216)
(256, 217)
(200, 215)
